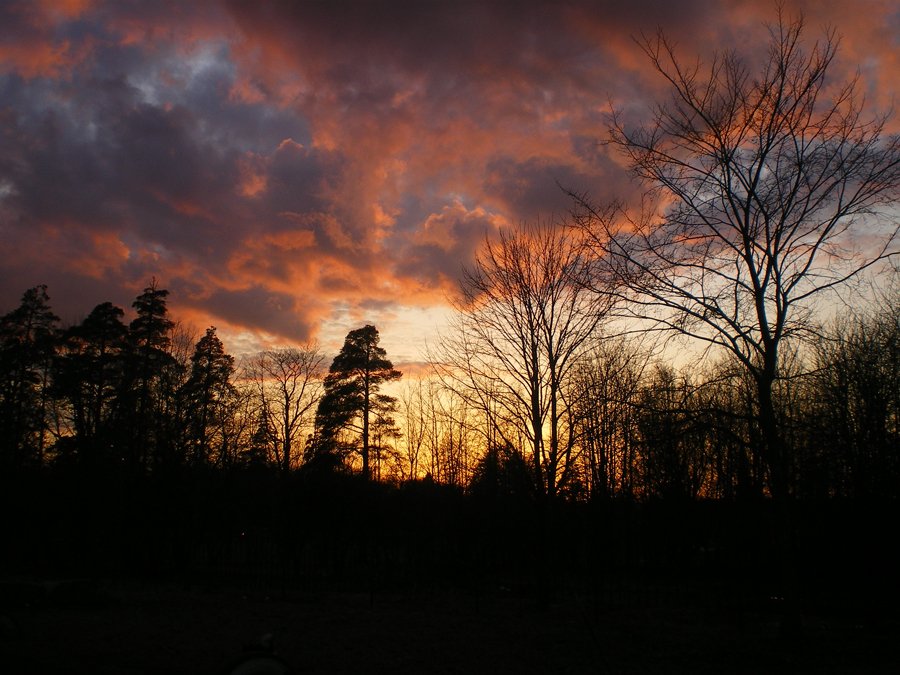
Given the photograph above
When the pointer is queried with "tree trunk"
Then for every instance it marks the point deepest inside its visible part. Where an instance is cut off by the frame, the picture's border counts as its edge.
(777, 459)
(365, 434)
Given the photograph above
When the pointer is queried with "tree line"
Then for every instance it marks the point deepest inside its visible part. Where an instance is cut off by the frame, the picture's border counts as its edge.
(759, 183)
(139, 399)
(576, 415)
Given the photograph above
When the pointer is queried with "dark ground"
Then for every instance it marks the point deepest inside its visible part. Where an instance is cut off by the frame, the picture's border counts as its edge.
(117, 628)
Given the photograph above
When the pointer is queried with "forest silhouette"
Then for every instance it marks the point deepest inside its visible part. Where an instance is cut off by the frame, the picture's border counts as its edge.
(556, 453)
(129, 458)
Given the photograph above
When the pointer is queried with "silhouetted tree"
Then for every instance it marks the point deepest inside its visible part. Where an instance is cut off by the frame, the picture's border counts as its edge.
(143, 404)
(206, 395)
(415, 414)
(501, 473)
(28, 337)
(729, 403)
(352, 400)
(854, 412)
(88, 374)
(263, 438)
(758, 186)
(288, 384)
(448, 430)
(525, 317)
(605, 391)
(762, 181)
(673, 443)
(237, 424)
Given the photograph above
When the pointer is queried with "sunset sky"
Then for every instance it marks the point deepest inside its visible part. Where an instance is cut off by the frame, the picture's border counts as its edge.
(293, 170)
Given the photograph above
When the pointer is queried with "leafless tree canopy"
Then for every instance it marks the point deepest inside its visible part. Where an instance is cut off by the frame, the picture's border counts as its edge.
(288, 384)
(525, 317)
(765, 188)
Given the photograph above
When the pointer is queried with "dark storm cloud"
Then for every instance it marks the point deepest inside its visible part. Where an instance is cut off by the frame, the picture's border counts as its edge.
(537, 188)
(445, 243)
(276, 313)
(151, 147)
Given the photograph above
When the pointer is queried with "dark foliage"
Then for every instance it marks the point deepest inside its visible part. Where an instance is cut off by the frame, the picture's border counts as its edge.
(352, 400)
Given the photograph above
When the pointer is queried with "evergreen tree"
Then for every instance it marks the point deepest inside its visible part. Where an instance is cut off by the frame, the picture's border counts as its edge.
(150, 338)
(206, 394)
(352, 401)
(256, 454)
(150, 331)
(28, 337)
(88, 375)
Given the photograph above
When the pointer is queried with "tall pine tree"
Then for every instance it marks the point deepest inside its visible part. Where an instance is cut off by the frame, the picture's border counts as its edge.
(206, 394)
(150, 337)
(28, 337)
(88, 376)
(352, 402)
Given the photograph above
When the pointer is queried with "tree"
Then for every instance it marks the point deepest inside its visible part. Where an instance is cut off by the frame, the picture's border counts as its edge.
(288, 385)
(88, 375)
(415, 413)
(759, 185)
(144, 406)
(673, 444)
(206, 394)
(605, 390)
(352, 399)
(855, 405)
(523, 321)
(27, 342)
(728, 401)
(150, 331)
(501, 473)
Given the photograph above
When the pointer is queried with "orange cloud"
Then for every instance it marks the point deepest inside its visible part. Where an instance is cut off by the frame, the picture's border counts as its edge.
(42, 60)
(65, 9)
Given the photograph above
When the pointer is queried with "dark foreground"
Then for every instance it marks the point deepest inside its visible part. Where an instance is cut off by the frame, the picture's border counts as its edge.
(132, 628)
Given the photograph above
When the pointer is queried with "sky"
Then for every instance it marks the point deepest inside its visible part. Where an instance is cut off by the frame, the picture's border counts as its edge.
(290, 171)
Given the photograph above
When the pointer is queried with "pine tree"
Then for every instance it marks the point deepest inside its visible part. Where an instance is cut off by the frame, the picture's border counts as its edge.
(149, 355)
(28, 337)
(352, 401)
(88, 375)
(206, 394)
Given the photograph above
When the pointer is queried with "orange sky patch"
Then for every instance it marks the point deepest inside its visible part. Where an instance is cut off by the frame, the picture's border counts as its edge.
(36, 60)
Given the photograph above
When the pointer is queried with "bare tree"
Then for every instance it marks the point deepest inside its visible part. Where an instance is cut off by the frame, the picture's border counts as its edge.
(442, 431)
(854, 404)
(288, 386)
(236, 424)
(674, 452)
(454, 436)
(605, 391)
(728, 399)
(415, 414)
(524, 318)
(759, 184)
